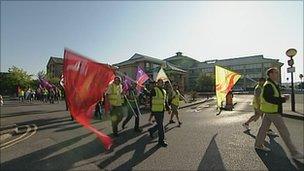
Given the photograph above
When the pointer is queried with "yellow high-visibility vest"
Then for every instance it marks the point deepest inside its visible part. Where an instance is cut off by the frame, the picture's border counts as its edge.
(115, 96)
(269, 107)
(158, 101)
(175, 99)
(256, 100)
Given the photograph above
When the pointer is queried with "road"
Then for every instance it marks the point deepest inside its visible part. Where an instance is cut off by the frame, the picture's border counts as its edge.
(203, 142)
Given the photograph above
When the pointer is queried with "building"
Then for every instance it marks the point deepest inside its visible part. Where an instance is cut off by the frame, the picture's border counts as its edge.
(151, 66)
(55, 67)
(251, 68)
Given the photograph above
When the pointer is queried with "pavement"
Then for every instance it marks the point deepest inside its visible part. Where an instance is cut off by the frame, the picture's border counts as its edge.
(203, 142)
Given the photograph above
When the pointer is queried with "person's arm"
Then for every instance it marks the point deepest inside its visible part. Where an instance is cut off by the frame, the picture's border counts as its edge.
(268, 95)
(152, 93)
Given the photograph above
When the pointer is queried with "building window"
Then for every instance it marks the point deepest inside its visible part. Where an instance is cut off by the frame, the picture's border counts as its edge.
(148, 65)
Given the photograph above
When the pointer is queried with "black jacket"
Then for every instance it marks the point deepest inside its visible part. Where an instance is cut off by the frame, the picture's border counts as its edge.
(268, 95)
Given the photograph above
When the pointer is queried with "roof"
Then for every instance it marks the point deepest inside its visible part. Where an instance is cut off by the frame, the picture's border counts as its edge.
(174, 68)
(56, 59)
(180, 56)
(237, 61)
(139, 57)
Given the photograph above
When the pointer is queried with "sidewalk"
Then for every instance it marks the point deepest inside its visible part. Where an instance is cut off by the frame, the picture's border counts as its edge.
(299, 110)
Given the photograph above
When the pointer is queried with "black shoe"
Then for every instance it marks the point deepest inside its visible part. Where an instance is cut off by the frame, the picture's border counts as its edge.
(171, 121)
(138, 130)
(162, 144)
(179, 124)
(150, 133)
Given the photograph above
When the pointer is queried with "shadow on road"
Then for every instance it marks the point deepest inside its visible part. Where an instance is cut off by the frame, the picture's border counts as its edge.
(139, 150)
(212, 159)
(51, 159)
(31, 112)
(138, 156)
(277, 158)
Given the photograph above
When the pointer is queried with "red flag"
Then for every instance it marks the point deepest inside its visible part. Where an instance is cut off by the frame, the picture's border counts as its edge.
(85, 81)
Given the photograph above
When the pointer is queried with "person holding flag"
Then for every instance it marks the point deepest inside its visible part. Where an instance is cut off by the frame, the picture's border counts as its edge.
(224, 81)
(116, 98)
(85, 81)
(158, 95)
(133, 109)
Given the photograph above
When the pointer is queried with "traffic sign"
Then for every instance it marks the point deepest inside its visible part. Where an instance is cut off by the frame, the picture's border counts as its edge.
(291, 69)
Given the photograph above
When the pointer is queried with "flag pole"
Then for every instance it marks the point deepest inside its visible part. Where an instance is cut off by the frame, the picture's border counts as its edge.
(130, 106)
(136, 104)
(122, 74)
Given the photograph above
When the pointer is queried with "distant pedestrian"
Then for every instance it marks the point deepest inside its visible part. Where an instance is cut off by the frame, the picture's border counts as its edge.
(1, 100)
(271, 105)
(176, 96)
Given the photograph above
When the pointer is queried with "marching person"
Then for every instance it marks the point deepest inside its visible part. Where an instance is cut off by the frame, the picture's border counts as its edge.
(256, 105)
(271, 105)
(175, 104)
(115, 96)
(133, 109)
(158, 95)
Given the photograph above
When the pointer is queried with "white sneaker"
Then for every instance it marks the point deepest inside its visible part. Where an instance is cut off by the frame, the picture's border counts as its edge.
(271, 133)
(263, 148)
(298, 156)
(246, 126)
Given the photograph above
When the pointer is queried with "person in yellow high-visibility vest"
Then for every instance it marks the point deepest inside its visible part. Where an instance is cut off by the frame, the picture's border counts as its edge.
(256, 102)
(116, 99)
(175, 104)
(271, 105)
(159, 97)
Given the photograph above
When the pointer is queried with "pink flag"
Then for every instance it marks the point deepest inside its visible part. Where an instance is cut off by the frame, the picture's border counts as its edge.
(141, 78)
(126, 84)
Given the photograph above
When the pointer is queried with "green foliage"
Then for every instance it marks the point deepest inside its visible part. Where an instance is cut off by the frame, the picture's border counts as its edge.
(205, 83)
(18, 77)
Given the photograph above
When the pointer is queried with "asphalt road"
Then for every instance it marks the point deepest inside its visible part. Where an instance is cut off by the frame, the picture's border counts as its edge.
(203, 142)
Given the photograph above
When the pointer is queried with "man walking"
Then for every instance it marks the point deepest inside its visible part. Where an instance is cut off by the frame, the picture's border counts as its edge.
(158, 108)
(271, 105)
(132, 109)
(116, 100)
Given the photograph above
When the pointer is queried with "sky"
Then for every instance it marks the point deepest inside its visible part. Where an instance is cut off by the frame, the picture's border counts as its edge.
(111, 32)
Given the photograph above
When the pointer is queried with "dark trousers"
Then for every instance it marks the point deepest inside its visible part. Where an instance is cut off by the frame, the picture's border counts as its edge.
(130, 114)
(159, 118)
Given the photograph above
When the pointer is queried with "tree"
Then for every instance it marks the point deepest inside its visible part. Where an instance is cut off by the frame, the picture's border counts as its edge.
(18, 77)
(205, 83)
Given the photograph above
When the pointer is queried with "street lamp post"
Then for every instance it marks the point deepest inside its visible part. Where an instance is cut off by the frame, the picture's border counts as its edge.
(301, 77)
(291, 53)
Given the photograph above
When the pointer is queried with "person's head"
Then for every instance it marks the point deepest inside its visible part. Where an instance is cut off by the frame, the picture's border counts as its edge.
(273, 74)
(175, 86)
(160, 83)
(117, 80)
(262, 81)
